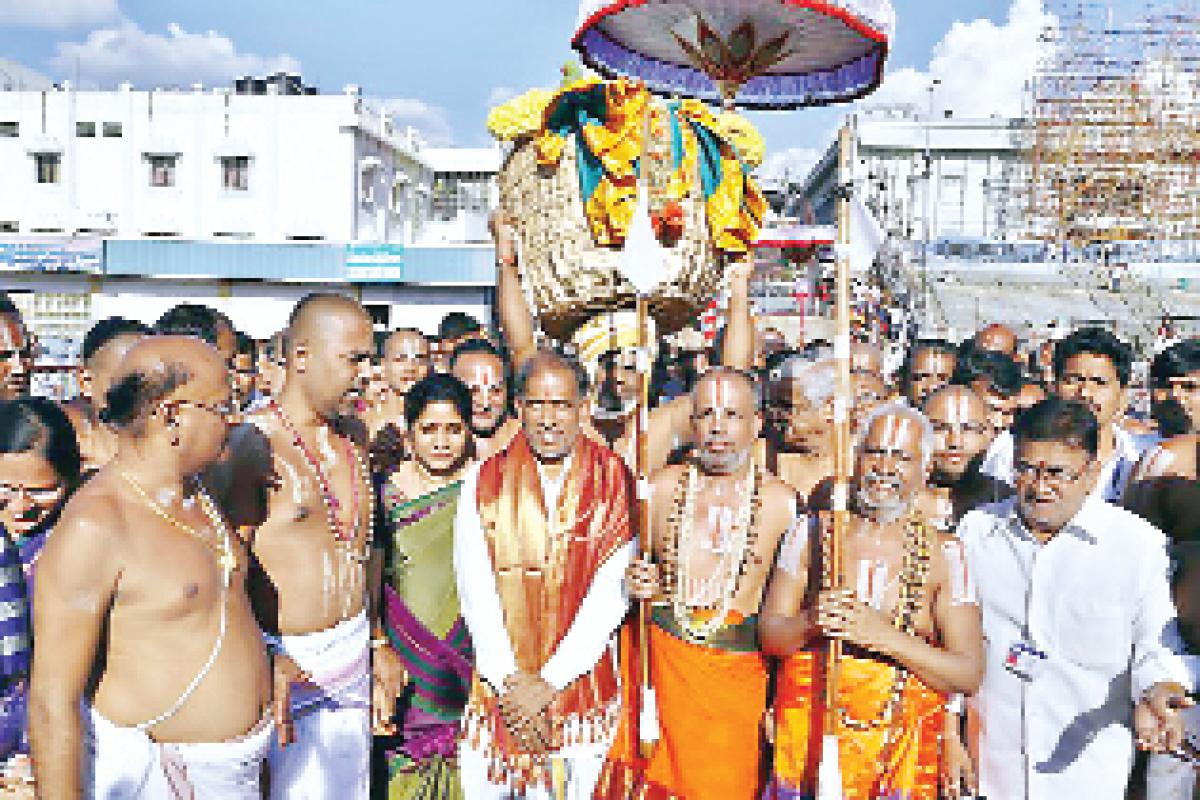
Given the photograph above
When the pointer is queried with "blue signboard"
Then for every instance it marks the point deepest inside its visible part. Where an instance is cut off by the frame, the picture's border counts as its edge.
(50, 255)
(374, 262)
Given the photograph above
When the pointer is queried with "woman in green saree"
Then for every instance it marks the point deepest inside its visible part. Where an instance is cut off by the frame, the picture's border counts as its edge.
(420, 601)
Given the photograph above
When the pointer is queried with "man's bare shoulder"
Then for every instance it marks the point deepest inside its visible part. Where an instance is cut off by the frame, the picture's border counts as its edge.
(668, 477)
(1182, 456)
(91, 526)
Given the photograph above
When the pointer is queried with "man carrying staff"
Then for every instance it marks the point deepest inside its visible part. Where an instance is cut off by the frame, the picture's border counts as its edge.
(313, 549)
(141, 593)
(542, 540)
(715, 526)
(906, 614)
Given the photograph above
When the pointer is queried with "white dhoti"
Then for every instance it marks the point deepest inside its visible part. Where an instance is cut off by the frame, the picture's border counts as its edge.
(331, 754)
(122, 763)
(575, 769)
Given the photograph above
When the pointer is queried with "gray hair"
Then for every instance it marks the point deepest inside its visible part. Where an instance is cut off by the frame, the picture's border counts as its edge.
(817, 376)
(928, 441)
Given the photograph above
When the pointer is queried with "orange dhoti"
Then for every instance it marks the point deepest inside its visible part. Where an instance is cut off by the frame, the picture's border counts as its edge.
(894, 760)
(711, 698)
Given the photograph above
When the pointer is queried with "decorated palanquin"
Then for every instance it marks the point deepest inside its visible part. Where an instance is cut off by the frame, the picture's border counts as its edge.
(570, 182)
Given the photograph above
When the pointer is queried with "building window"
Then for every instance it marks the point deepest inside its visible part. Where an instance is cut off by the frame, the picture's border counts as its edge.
(162, 171)
(9, 130)
(235, 173)
(47, 166)
(9, 227)
(112, 130)
(85, 130)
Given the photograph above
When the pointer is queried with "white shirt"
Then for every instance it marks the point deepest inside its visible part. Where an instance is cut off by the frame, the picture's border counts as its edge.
(1114, 475)
(1095, 599)
(598, 617)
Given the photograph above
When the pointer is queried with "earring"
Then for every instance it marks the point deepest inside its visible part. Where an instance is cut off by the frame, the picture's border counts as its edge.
(174, 426)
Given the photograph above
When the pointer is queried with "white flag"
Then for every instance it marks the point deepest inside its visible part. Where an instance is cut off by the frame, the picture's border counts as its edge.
(866, 236)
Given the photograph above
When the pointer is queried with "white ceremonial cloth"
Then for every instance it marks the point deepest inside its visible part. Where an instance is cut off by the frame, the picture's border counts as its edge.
(331, 756)
(125, 764)
(600, 614)
(1096, 600)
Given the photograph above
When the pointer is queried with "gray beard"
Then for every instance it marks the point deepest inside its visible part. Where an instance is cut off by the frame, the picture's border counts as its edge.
(885, 513)
(721, 465)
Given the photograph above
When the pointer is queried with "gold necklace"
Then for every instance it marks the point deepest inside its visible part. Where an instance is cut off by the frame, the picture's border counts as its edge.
(225, 557)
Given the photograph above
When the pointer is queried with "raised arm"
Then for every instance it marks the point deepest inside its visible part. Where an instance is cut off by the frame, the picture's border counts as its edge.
(738, 348)
(76, 582)
(516, 320)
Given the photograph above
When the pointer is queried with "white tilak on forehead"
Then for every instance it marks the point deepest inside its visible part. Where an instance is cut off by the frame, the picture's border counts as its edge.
(959, 410)
(720, 394)
(483, 376)
(895, 429)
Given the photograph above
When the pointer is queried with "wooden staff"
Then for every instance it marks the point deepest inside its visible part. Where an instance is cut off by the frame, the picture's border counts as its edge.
(841, 428)
(643, 462)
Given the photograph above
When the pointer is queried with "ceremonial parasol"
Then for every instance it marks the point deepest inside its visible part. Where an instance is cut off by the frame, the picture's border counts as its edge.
(767, 54)
(759, 53)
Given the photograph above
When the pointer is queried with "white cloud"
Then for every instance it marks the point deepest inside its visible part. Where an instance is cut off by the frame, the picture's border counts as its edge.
(59, 14)
(793, 164)
(125, 52)
(433, 122)
(983, 67)
(501, 94)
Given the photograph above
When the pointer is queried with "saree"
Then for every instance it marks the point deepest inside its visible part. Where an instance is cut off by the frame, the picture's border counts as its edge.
(711, 698)
(878, 759)
(423, 625)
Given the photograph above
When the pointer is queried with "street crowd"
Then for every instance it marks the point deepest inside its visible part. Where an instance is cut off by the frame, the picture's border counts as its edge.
(343, 564)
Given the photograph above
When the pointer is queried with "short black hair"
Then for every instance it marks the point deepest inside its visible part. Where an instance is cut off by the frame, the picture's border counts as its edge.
(38, 425)
(1098, 342)
(7, 306)
(457, 324)
(943, 346)
(560, 360)
(1178, 360)
(246, 346)
(479, 346)
(108, 329)
(1057, 420)
(437, 388)
(193, 319)
(1002, 374)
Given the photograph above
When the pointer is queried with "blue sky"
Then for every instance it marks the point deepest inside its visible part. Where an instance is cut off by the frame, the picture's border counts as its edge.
(446, 60)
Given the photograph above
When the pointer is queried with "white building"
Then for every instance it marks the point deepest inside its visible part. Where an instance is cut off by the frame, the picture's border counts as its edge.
(125, 202)
(943, 180)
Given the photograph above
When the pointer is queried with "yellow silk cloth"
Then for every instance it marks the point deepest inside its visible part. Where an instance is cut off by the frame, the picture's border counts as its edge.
(710, 708)
(736, 205)
(544, 563)
(906, 769)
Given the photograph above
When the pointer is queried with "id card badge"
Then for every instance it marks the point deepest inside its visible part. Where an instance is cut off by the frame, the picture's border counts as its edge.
(1024, 660)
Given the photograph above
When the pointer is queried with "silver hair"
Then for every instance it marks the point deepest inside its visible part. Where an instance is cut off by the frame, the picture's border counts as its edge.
(928, 441)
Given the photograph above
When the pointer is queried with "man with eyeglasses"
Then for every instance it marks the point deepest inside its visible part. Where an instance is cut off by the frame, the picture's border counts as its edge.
(1164, 491)
(1076, 615)
(997, 381)
(16, 352)
(1093, 366)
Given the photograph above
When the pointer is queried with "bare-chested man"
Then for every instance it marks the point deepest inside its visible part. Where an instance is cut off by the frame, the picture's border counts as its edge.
(715, 525)
(16, 352)
(103, 348)
(312, 550)
(907, 616)
(961, 437)
(800, 424)
(141, 593)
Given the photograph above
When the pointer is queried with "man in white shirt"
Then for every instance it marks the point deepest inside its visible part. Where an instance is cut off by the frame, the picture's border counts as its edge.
(1093, 366)
(1077, 614)
(542, 540)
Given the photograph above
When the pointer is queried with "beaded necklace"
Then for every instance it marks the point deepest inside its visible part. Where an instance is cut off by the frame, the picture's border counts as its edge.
(677, 569)
(224, 554)
(332, 504)
(913, 574)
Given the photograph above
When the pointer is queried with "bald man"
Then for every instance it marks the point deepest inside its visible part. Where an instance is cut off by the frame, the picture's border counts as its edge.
(141, 590)
(105, 345)
(905, 611)
(961, 438)
(405, 360)
(719, 515)
(998, 339)
(312, 549)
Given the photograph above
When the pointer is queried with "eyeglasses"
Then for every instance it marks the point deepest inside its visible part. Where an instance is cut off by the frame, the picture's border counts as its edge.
(39, 495)
(1052, 474)
(1079, 381)
(965, 429)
